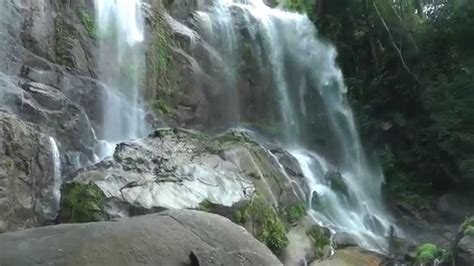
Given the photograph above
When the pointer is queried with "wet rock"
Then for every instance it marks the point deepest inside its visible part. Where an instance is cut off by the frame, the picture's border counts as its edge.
(465, 251)
(344, 239)
(51, 110)
(288, 161)
(352, 256)
(374, 224)
(171, 238)
(337, 182)
(455, 207)
(27, 195)
(300, 248)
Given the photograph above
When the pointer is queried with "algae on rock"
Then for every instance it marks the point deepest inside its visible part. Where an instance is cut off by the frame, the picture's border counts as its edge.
(82, 203)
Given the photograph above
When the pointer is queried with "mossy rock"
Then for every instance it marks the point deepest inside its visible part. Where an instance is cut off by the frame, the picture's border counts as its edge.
(82, 203)
(88, 21)
(337, 183)
(320, 239)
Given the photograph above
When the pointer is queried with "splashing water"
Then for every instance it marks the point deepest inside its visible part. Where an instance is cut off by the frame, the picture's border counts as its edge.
(309, 89)
(120, 27)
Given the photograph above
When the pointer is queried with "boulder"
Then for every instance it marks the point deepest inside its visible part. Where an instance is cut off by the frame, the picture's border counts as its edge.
(465, 251)
(300, 248)
(171, 169)
(176, 237)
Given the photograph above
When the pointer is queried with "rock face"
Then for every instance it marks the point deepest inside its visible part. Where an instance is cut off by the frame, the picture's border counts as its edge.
(169, 238)
(27, 195)
(179, 169)
(47, 89)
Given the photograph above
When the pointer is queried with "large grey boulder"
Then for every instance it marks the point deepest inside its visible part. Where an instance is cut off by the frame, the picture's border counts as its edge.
(169, 238)
(178, 169)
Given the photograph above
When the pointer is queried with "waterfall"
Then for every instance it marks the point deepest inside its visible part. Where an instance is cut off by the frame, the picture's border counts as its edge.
(217, 27)
(51, 206)
(120, 33)
(309, 90)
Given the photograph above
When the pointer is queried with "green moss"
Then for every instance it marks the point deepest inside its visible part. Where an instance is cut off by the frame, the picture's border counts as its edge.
(161, 46)
(82, 203)
(428, 252)
(319, 240)
(162, 73)
(88, 22)
(338, 184)
(64, 36)
(160, 105)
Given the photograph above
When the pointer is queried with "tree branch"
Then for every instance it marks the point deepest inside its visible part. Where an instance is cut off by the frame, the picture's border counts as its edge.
(395, 47)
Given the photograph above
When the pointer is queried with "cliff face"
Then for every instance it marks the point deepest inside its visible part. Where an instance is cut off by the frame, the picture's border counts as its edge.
(50, 96)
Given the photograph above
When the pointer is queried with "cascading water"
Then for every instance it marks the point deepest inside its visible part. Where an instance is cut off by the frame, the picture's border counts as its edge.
(54, 196)
(309, 89)
(120, 27)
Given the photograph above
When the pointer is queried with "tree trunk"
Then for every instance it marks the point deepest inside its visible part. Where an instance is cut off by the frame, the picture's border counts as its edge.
(321, 9)
(370, 32)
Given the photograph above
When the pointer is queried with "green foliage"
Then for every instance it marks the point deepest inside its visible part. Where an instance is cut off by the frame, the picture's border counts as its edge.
(319, 239)
(238, 217)
(428, 253)
(295, 213)
(82, 203)
(402, 185)
(272, 231)
(468, 226)
(206, 206)
(303, 6)
(88, 22)
(241, 216)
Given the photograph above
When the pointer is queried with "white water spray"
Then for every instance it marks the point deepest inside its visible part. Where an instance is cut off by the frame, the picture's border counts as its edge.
(51, 206)
(120, 27)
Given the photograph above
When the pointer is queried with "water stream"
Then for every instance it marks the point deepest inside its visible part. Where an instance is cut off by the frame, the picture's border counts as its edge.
(120, 30)
(54, 195)
(309, 90)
